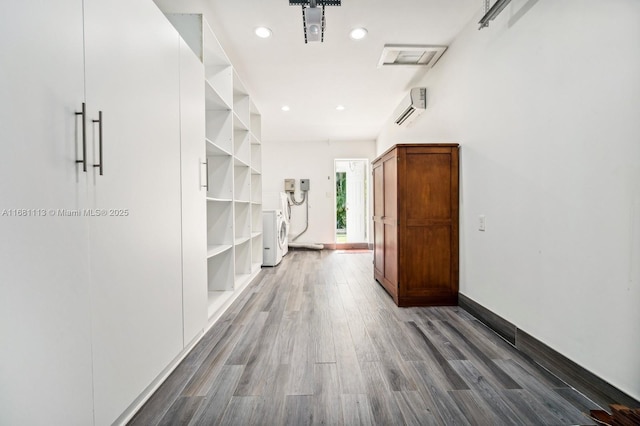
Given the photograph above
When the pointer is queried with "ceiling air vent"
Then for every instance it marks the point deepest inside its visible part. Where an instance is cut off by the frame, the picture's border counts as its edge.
(410, 55)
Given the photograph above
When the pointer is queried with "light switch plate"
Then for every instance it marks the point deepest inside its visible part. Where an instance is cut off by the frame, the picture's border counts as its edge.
(482, 223)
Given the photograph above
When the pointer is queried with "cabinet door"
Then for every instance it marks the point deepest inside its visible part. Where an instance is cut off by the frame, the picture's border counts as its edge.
(430, 216)
(45, 373)
(390, 222)
(378, 213)
(385, 207)
(194, 201)
(132, 75)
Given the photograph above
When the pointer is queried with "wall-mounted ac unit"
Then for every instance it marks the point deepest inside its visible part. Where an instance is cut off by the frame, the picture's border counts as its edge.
(416, 103)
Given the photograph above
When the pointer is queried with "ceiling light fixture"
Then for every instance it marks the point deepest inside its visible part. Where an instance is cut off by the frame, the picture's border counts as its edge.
(313, 21)
(340, 108)
(286, 108)
(263, 32)
(358, 33)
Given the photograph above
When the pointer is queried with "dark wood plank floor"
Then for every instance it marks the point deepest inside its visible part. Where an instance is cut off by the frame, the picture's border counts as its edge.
(317, 341)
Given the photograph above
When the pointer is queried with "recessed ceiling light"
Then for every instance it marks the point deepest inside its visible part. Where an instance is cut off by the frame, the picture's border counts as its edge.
(358, 33)
(285, 108)
(340, 107)
(263, 32)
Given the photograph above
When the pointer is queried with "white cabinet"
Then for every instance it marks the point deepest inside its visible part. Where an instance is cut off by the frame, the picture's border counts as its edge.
(132, 75)
(194, 203)
(111, 267)
(45, 323)
(95, 306)
(234, 194)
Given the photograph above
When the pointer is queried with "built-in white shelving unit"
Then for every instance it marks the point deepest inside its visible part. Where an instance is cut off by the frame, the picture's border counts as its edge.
(255, 146)
(234, 166)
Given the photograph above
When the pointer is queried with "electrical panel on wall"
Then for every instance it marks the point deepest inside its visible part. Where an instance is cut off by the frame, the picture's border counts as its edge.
(289, 185)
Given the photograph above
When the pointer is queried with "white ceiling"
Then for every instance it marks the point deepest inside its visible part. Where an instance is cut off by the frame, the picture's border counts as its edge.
(314, 78)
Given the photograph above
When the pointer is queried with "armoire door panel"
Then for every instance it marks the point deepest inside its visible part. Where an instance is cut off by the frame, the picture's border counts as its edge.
(390, 187)
(132, 75)
(378, 193)
(430, 260)
(429, 178)
(378, 235)
(45, 321)
(391, 253)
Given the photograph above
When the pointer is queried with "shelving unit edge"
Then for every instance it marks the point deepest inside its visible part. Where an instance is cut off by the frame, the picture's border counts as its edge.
(234, 193)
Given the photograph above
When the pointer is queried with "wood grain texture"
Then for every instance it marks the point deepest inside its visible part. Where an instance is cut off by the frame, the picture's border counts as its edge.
(240, 410)
(414, 409)
(347, 365)
(298, 410)
(327, 404)
(210, 367)
(356, 410)
(487, 393)
(180, 413)
(154, 410)
(529, 407)
(317, 341)
(432, 384)
(562, 409)
(455, 381)
(505, 381)
(416, 223)
(218, 396)
(497, 323)
(546, 361)
(593, 386)
(448, 349)
(248, 340)
(383, 405)
(476, 412)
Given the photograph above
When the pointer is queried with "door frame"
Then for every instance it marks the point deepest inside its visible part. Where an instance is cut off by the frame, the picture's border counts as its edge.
(367, 177)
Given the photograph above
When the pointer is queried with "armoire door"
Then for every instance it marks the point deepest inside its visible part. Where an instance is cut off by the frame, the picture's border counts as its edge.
(45, 327)
(390, 221)
(429, 225)
(378, 213)
(132, 76)
(385, 183)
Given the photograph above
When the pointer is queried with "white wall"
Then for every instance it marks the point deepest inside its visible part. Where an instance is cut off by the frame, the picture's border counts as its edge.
(546, 105)
(314, 161)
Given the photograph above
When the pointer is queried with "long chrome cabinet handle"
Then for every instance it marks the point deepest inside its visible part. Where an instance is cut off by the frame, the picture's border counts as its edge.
(99, 121)
(83, 113)
(206, 171)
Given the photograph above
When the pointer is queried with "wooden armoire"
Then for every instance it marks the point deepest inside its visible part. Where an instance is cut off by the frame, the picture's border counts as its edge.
(415, 219)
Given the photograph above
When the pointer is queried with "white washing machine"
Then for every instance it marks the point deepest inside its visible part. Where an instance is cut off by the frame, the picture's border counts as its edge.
(286, 212)
(275, 237)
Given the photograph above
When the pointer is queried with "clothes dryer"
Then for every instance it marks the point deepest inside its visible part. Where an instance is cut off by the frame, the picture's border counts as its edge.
(275, 237)
(286, 213)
